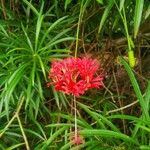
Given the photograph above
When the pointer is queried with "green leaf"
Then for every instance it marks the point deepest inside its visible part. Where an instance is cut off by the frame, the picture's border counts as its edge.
(147, 12)
(12, 83)
(27, 37)
(144, 128)
(59, 125)
(40, 128)
(95, 117)
(29, 92)
(128, 117)
(38, 26)
(80, 122)
(15, 146)
(31, 6)
(42, 66)
(107, 134)
(136, 88)
(147, 96)
(52, 137)
(56, 97)
(101, 120)
(138, 16)
(121, 4)
(145, 147)
(34, 133)
(105, 15)
(3, 30)
(67, 2)
(51, 28)
(52, 43)
(100, 1)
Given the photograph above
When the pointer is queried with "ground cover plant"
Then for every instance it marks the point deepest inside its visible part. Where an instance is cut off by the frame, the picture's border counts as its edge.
(74, 75)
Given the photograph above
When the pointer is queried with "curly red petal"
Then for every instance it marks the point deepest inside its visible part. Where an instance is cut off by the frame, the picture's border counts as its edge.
(75, 75)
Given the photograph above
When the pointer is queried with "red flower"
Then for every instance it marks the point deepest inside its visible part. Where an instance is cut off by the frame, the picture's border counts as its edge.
(77, 140)
(75, 75)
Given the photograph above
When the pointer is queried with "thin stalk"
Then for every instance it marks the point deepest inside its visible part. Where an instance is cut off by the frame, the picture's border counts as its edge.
(13, 118)
(124, 20)
(23, 133)
(122, 108)
(130, 43)
(3, 9)
(126, 29)
(78, 29)
(7, 126)
(120, 102)
(75, 116)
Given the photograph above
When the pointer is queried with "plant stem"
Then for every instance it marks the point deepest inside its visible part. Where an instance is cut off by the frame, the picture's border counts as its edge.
(23, 133)
(7, 126)
(3, 9)
(13, 118)
(78, 29)
(75, 116)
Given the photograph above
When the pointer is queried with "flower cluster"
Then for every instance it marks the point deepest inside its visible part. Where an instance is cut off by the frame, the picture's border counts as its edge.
(75, 75)
(77, 140)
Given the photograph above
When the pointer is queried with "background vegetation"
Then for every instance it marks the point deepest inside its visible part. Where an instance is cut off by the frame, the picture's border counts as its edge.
(33, 33)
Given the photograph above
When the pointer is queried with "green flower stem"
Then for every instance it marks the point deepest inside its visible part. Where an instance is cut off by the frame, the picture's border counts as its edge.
(75, 116)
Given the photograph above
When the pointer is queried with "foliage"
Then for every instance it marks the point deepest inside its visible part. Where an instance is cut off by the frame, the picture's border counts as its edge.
(35, 33)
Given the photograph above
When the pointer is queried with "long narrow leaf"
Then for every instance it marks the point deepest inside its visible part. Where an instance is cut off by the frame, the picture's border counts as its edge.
(107, 134)
(31, 6)
(138, 16)
(42, 66)
(101, 120)
(27, 37)
(11, 84)
(147, 96)
(53, 26)
(147, 14)
(105, 15)
(50, 45)
(15, 146)
(52, 137)
(121, 4)
(136, 88)
(38, 26)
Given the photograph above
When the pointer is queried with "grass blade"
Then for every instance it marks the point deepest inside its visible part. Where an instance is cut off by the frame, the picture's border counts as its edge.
(53, 26)
(27, 37)
(105, 15)
(121, 4)
(51, 44)
(138, 16)
(15, 146)
(31, 6)
(147, 14)
(42, 66)
(147, 95)
(107, 134)
(38, 26)
(136, 88)
(11, 84)
(52, 137)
